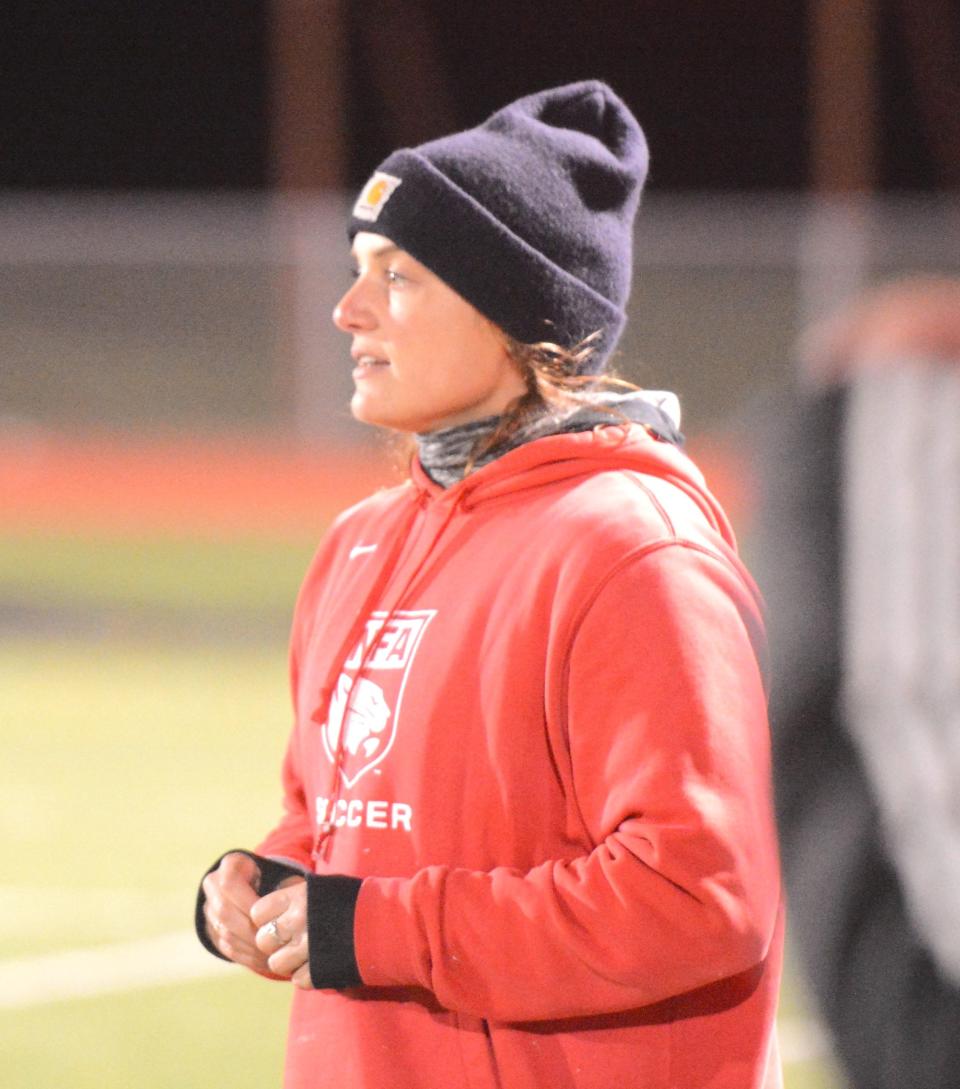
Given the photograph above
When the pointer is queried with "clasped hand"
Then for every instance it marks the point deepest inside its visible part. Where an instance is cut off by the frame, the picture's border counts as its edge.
(267, 934)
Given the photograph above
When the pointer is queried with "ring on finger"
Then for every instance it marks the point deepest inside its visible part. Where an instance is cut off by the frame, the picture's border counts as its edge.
(274, 931)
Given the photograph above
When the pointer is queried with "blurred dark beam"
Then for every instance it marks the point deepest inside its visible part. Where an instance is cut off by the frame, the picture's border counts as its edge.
(844, 90)
(403, 65)
(309, 55)
(932, 30)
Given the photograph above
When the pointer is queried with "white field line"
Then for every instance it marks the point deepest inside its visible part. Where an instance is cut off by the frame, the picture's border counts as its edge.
(178, 957)
(105, 969)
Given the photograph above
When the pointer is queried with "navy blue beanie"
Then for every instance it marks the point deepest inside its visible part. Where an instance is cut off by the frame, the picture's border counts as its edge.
(528, 216)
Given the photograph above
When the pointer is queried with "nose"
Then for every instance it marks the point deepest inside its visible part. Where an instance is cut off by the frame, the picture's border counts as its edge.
(353, 312)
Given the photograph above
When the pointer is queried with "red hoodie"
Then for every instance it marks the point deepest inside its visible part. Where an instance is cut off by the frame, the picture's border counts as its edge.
(529, 714)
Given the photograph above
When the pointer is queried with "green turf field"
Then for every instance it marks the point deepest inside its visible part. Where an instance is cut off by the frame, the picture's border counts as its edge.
(125, 771)
(128, 762)
(100, 570)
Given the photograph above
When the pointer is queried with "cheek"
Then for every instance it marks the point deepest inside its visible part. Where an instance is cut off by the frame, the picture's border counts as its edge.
(430, 349)
(448, 349)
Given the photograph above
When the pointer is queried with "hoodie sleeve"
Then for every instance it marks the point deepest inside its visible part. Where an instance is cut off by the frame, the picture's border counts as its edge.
(664, 716)
(292, 838)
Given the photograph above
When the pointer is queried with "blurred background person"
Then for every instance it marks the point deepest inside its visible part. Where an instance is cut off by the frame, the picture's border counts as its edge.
(859, 557)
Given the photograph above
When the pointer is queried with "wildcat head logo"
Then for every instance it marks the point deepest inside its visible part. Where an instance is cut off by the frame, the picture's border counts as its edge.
(364, 711)
(367, 714)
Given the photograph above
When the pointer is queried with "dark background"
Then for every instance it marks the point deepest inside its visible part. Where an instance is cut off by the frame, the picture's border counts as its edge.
(119, 94)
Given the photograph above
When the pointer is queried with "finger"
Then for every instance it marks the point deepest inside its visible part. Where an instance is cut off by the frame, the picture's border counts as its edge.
(241, 950)
(240, 867)
(227, 916)
(287, 929)
(289, 958)
(239, 877)
(293, 879)
(230, 930)
(223, 893)
(269, 907)
(257, 963)
(211, 886)
(213, 926)
(270, 937)
(237, 947)
(243, 897)
(287, 904)
(301, 978)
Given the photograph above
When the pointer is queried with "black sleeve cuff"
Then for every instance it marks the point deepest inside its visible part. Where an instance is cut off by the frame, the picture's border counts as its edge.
(331, 906)
(271, 874)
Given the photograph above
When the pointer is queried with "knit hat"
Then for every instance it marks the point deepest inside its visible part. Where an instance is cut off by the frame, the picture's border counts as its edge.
(528, 216)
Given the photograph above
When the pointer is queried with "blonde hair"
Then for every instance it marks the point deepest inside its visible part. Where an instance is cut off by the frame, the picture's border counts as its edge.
(554, 382)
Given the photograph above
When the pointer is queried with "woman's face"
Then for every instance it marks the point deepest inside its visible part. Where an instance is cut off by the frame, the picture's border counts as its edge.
(424, 358)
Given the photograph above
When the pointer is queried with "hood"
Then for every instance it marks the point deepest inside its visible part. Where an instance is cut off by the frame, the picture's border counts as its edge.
(623, 447)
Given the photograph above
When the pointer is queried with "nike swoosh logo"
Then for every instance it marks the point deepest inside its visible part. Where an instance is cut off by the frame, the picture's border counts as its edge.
(361, 550)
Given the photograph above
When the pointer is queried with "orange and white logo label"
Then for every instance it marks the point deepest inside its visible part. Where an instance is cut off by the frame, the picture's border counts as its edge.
(374, 196)
(365, 708)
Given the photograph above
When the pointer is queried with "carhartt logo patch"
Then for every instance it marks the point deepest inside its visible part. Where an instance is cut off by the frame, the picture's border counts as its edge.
(365, 709)
(378, 190)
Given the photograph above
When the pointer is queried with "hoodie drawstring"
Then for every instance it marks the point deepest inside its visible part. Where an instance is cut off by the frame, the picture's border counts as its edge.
(324, 834)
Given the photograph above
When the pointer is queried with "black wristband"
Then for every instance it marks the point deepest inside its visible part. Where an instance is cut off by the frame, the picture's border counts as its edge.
(331, 906)
(271, 874)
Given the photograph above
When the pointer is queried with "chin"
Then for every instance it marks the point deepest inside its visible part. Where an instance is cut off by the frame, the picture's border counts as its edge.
(379, 416)
(363, 410)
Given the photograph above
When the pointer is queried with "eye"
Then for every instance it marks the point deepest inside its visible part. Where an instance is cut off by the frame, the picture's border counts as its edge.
(394, 277)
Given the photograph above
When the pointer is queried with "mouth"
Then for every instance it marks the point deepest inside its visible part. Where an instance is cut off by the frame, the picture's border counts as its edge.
(367, 364)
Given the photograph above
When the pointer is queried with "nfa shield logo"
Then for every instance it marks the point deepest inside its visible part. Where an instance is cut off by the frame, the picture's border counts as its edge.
(364, 710)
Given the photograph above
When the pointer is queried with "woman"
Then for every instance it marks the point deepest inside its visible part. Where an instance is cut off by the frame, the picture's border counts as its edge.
(528, 837)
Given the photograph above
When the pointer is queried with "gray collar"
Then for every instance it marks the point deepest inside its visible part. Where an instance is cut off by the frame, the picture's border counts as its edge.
(445, 454)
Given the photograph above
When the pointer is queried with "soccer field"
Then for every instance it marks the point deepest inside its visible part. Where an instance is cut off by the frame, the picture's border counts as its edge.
(128, 764)
(125, 772)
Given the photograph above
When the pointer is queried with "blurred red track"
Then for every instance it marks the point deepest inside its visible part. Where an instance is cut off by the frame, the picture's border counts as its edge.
(216, 486)
(180, 485)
